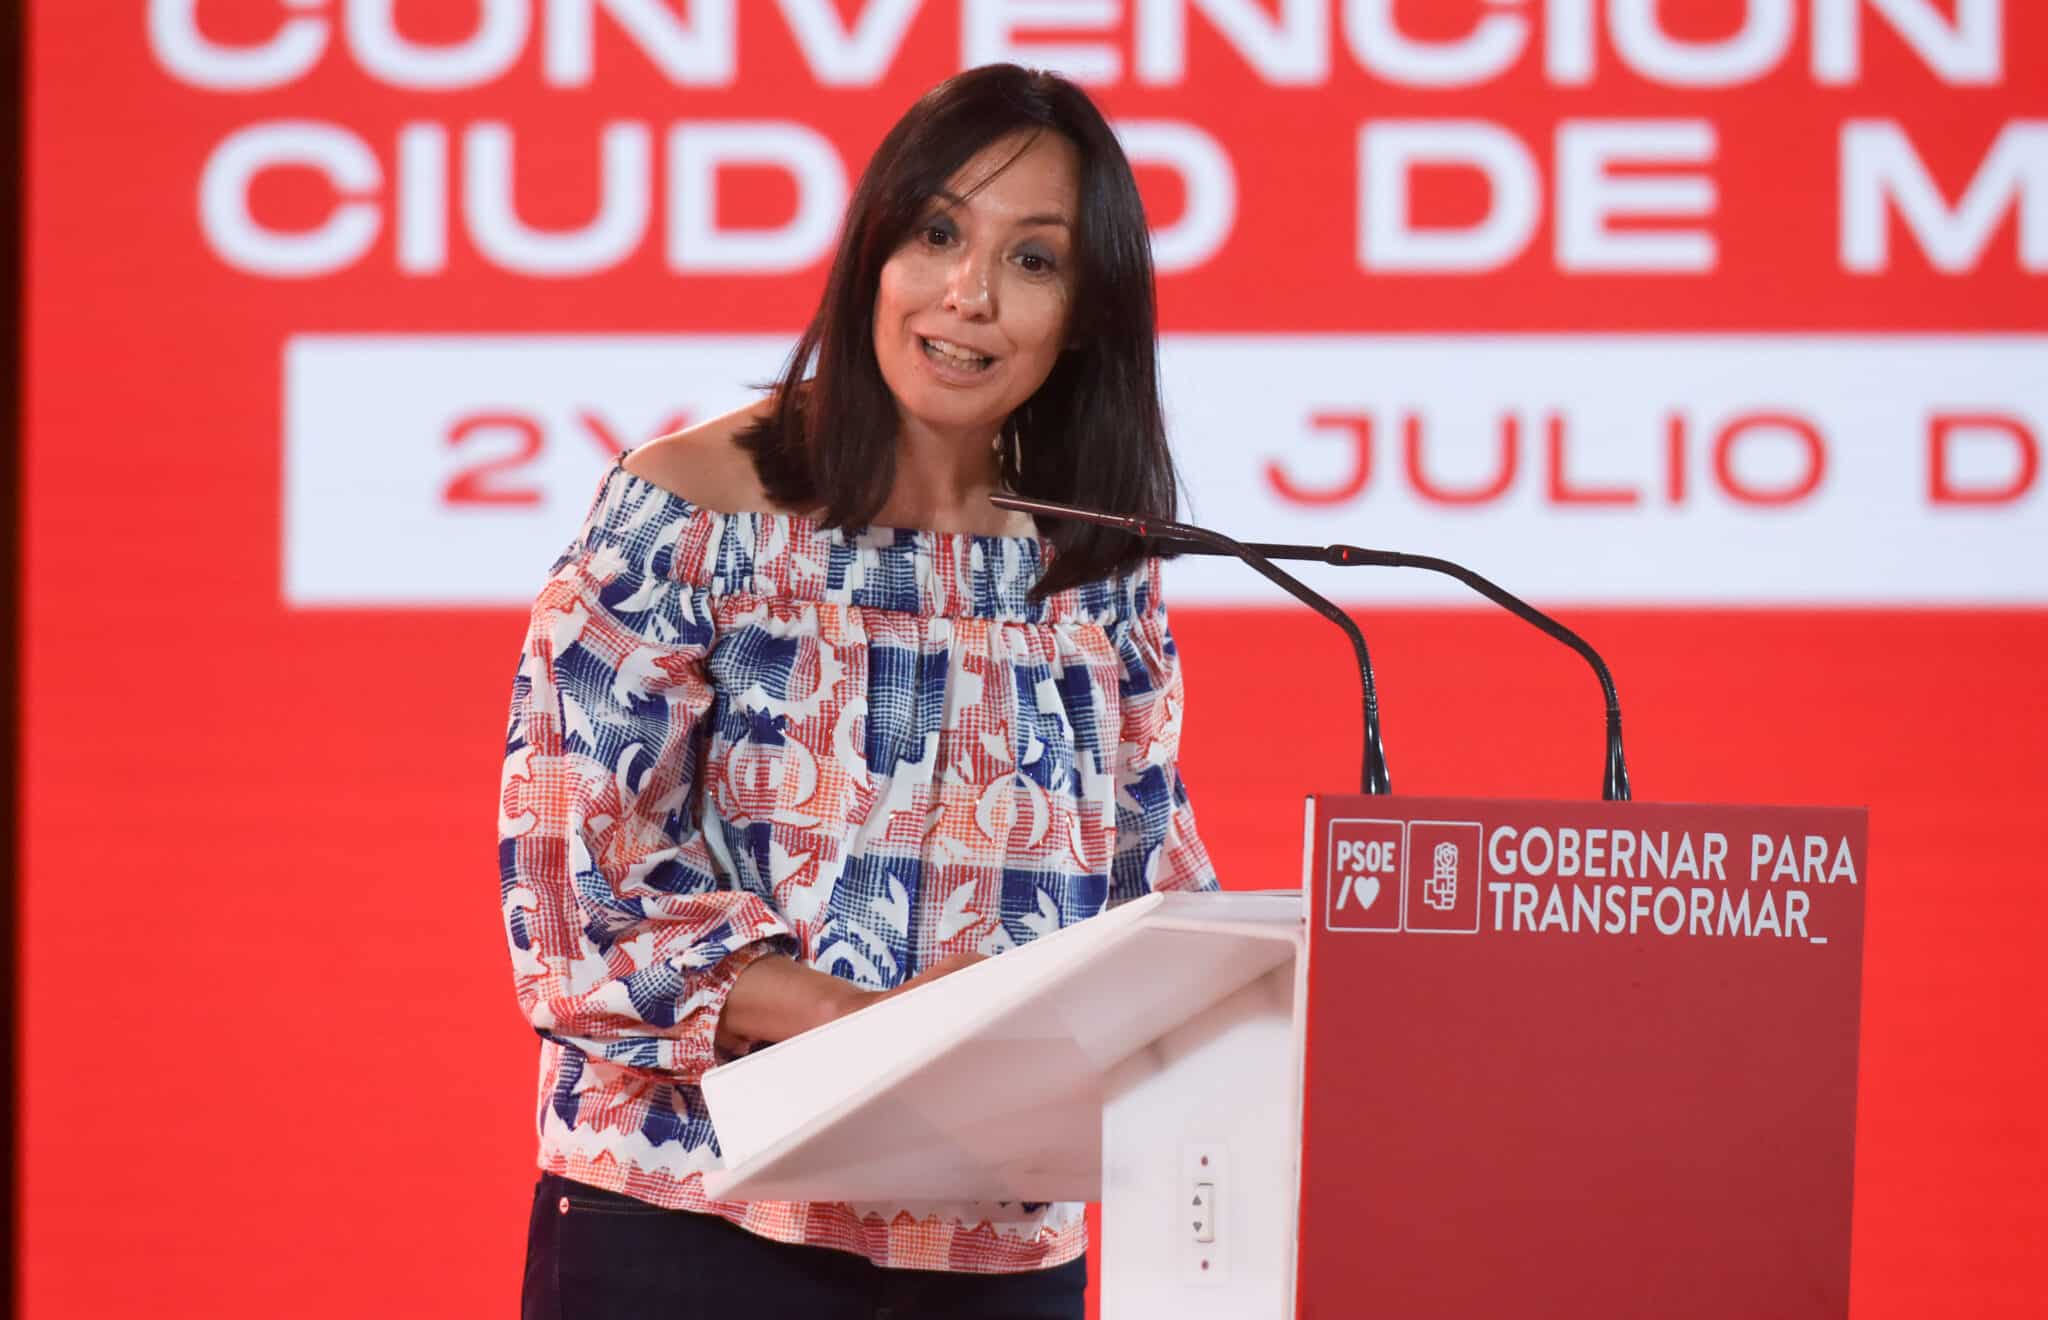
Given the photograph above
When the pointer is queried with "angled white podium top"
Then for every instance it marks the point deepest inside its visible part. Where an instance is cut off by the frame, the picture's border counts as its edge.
(988, 1084)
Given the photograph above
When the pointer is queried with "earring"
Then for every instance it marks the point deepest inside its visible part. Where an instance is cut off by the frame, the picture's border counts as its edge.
(1016, 455)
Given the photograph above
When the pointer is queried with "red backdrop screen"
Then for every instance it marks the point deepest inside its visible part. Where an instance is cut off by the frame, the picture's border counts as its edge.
(1719, 326)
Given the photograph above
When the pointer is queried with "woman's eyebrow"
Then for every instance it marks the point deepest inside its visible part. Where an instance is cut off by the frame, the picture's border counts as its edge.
(953, 201)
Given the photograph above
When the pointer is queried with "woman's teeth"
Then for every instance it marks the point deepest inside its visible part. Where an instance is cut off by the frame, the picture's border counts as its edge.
(953, 355)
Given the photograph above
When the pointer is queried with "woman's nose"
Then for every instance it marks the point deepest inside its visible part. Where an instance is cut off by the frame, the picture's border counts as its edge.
(968, 293)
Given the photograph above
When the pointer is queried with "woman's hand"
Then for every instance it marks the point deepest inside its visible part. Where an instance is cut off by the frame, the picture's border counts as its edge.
(776, 998)
(943, 967)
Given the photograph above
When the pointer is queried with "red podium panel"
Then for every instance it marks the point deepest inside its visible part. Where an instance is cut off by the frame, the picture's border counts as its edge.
(1579, 1059)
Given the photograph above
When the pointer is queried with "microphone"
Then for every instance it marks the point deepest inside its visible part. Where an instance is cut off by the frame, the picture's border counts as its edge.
(1180, 538)
(1372, 775)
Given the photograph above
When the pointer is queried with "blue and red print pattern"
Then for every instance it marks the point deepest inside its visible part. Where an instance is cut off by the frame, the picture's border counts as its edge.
(736, 735)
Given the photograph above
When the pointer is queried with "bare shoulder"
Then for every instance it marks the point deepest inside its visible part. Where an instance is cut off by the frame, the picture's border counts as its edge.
(703, 465)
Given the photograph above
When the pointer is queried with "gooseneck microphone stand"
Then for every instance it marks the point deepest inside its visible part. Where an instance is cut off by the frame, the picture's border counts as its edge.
(1181, 538)
(1372, 775)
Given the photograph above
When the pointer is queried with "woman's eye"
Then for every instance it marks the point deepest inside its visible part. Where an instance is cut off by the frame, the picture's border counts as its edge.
(1037, 263)
(937, 235)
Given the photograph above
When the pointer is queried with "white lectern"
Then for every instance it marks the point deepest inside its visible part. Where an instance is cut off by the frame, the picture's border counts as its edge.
(1519, 1057)
(1149, 1058)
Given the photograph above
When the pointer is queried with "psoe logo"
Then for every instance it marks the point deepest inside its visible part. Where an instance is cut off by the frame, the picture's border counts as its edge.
(1442, 875)
(1363, 885)
(1440, 891)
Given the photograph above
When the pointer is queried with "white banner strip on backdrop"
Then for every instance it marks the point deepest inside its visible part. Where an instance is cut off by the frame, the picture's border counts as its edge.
(428, 470)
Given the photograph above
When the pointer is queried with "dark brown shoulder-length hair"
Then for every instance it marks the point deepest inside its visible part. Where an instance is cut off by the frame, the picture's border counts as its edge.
(1094, 433)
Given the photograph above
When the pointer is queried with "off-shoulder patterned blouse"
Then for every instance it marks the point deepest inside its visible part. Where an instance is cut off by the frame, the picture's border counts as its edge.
(736, 735)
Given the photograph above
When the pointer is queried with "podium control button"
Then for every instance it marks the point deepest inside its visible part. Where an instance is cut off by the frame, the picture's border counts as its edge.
(1203, 1213)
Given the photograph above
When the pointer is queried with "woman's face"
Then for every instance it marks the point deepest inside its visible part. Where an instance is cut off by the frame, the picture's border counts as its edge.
(972, 309)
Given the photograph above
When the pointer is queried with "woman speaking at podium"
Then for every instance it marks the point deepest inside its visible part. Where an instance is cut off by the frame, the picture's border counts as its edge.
(802, 720)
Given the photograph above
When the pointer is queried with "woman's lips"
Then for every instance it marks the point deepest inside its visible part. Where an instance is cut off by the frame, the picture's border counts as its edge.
(951, 369)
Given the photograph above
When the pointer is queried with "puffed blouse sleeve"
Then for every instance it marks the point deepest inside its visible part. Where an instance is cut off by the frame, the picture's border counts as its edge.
(625, 937)
(1156, 843)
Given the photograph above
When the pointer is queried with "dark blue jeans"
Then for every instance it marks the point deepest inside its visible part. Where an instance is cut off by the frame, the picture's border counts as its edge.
(611, 1257)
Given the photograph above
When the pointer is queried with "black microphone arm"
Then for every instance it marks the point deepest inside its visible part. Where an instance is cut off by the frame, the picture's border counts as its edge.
(1183, 539)
(1372, 776)
(1614, 785)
